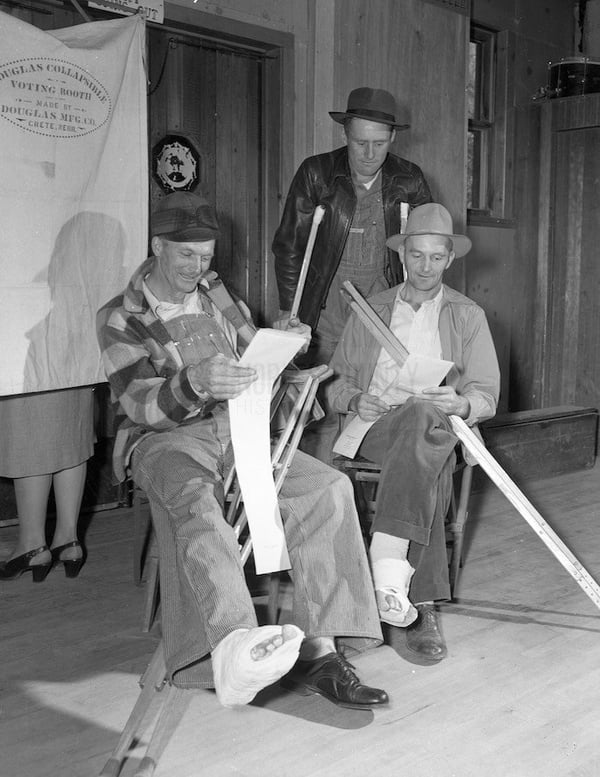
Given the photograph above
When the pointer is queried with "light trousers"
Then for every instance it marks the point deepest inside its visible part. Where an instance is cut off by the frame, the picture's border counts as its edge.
(203, 590)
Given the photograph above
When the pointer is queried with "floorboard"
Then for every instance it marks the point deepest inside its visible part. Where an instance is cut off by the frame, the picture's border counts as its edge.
(517, 696)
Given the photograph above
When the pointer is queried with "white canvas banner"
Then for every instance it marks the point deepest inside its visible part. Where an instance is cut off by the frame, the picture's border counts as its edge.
(73, 192)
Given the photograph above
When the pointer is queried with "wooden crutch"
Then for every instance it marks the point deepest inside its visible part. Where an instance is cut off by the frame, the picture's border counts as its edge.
(316, 220)
(482, 456)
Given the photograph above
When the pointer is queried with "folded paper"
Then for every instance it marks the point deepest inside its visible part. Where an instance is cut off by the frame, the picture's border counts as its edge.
(417, 374)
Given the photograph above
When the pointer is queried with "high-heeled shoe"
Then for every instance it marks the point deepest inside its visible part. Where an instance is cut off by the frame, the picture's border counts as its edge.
(72, 565)
(16, 566)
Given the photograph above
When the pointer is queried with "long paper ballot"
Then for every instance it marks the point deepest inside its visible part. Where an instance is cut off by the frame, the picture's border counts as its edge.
(269, 352)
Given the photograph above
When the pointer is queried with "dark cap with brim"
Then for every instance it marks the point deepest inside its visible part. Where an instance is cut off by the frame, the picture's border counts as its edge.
(184, 217)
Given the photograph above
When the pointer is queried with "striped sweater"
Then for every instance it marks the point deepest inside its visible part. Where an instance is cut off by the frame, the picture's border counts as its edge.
(150, 392)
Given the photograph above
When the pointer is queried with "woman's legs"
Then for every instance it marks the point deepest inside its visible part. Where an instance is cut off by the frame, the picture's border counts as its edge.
(32, 500)
(32, 505)
(68, 493)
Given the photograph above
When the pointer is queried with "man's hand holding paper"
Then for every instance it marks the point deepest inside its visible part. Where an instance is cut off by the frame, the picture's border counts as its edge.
(447, 400)
(369, 407)
(293, 324)
(420, 376)
(221, 377)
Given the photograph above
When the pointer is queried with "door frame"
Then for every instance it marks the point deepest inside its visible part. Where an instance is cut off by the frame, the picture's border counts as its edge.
(277, 120)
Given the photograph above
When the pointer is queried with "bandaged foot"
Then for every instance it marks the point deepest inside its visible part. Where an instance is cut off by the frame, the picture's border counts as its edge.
(391, 578)
(248, 660)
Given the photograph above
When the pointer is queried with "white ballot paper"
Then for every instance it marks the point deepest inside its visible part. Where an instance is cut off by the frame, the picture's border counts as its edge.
(268, 353)
(417, 374)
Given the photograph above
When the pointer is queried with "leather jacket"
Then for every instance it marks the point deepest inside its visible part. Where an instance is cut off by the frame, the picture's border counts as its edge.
(325, 180)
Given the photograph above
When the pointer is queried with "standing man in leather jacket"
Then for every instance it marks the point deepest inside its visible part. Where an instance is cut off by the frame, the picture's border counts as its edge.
(362, 187)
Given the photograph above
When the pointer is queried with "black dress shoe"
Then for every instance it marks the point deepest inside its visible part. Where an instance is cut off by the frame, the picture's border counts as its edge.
(332, 677)
(424, 637)
(72, 566)
(16, 566)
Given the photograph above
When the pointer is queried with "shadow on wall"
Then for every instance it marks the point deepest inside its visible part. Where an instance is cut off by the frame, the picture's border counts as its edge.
(63, 350)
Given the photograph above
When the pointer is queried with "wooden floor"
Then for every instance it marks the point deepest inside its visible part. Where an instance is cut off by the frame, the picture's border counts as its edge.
(518, 695)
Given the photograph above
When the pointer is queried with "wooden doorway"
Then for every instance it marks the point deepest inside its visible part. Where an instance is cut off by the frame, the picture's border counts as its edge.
(215, 95)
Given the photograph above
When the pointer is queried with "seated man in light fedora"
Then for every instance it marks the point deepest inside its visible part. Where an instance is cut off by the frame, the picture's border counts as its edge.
(411, 436)
(362, 187)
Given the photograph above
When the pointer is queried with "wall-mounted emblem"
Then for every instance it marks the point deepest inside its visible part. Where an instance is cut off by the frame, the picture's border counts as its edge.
(175, 164)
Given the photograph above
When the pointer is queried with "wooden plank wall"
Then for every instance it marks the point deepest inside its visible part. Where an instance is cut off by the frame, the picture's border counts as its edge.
(569, 353)
(417, 51)
(522, 265)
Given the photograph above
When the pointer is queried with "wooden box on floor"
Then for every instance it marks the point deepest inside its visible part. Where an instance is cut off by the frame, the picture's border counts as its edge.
(541, 443)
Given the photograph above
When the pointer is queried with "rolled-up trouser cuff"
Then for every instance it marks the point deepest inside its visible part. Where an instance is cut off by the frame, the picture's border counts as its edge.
(408, 531)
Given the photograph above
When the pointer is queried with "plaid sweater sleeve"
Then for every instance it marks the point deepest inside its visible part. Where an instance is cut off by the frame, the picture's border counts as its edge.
(151, 398)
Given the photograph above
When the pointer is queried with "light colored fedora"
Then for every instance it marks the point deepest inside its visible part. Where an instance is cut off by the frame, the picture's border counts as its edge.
(431, 219)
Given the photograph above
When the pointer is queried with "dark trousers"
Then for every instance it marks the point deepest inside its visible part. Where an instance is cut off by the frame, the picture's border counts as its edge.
(415, 446)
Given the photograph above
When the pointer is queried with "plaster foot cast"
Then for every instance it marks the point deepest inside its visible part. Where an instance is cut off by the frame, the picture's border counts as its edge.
(392, 579)
(248, 660)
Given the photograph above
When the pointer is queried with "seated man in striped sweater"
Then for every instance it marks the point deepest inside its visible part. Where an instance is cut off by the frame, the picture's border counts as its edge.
(170, 355)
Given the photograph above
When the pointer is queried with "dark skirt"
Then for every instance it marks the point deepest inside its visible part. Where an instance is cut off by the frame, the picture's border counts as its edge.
(46, 432)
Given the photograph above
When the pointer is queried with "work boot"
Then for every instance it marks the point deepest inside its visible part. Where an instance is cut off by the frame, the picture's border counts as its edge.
(424, 638)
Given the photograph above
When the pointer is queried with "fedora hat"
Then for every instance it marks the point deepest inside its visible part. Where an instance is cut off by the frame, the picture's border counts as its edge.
(371, 104)
(431, 219)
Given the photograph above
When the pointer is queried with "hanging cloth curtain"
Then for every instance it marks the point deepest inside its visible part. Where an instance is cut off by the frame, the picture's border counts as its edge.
(73, 192)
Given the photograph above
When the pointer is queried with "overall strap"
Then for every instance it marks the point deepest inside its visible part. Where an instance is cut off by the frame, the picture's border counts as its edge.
(215, 289)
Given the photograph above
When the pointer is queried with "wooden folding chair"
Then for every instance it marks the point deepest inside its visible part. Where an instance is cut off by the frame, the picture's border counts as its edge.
(297, 390)
(365, 478)
(145, 555)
